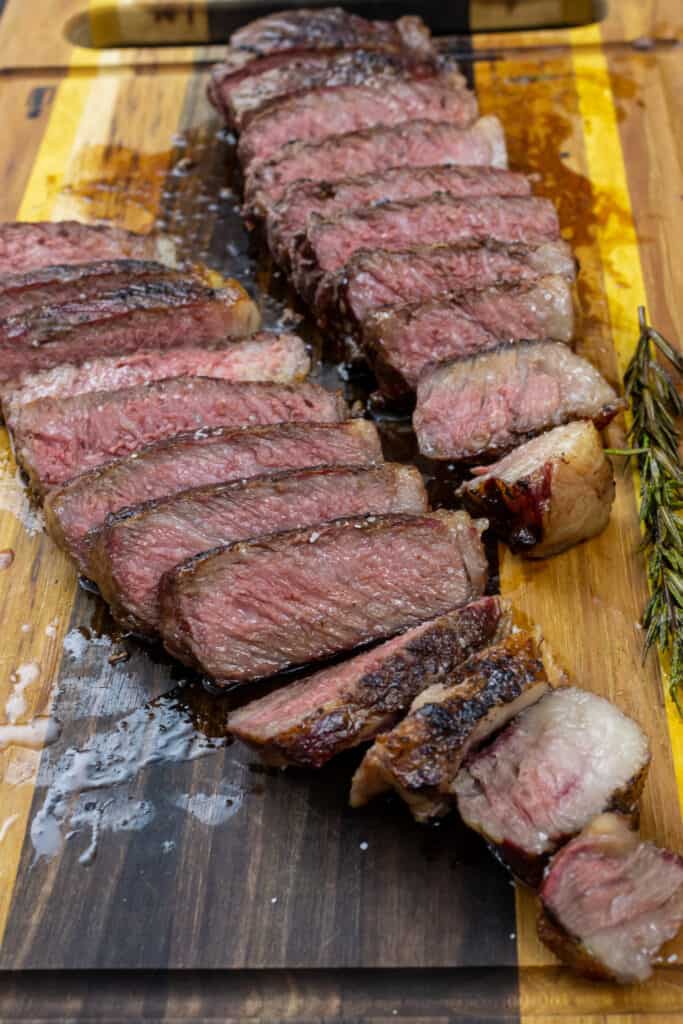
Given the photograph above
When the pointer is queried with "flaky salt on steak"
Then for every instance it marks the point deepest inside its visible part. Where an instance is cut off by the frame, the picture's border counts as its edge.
(57, 438)
(418, 274)
(421, 757)
(373, 151)
(548, 494)
(288, 219)
(610, 901)
(256, 608)
(281, 358)
(481, 407)
(321, 113)
(153, 314)
(308, 722)
(137, 546)
(207, 456)
(570, 757)
(27, 246)
(403, 341)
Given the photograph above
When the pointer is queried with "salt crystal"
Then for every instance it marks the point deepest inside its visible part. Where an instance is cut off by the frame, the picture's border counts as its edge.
(364, 846)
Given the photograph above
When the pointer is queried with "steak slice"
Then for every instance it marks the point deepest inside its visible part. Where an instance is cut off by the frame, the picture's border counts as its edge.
(373, 151)
(402, 341)
(26, 246)
(610, 901)
(150, 315)
(308, 722)
(421, 757)
(372, 280)
(256, 608)
(57, 438)
(481, 407)
(548, 494)
(322, 113)
(549, 773)
(281, 358)
(288, 219)
(72, 282)
(329, 244)
(137, 546)
(240, 97)
(208, 456)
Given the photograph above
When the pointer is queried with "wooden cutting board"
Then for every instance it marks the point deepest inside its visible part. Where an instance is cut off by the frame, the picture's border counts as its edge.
(192, 858)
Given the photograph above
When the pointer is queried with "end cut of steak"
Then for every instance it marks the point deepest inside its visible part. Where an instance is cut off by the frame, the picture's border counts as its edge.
(372, 280)
(149, 315)
(288, 219)
(281, 358)
(208, 456)
(402, 341)
(321, 113)
(54, 286)
(420, 758)
(373, 151)
(57, 438)
(136, 547)
(548, 494)
(240, 97)
(254, 609)
(329, 244)
(610, 901)
(29, 246)
(570, 757)
(482, 407)
(310, 721)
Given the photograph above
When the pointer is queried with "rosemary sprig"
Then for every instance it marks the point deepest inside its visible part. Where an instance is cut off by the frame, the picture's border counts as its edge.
(654, 435)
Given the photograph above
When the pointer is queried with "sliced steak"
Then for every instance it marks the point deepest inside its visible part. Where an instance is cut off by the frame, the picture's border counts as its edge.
(421, 757)
(288, 219)
(240, 97)
(150, 315)
(26, 246)
(308, 722)
(209, 456)
(549, 773)
(373, 151)
(137, 546)
(329, 244)
(321, 113)
(57, 438)
(402, 341)
(610, 901)
(548, 494)
(481, 407)
(71, 282)
(372, 280)
(281, 358)
(256, 608)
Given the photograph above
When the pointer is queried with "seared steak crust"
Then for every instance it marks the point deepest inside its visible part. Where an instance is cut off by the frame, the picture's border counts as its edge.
(57, 438)
(310, 721)
(207, 456)
(254, 609)
(26, 246)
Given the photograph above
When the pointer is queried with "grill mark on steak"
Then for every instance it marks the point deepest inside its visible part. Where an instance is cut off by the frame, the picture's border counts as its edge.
(57, 438)
(401, 342)
(281, 358)
(481, 407)
(208, 456)
(421, 757)
(312, 720)
(26, 246)
(256, 608)
(413, 144)
(288, 219)
(137, 546)
(321, 113)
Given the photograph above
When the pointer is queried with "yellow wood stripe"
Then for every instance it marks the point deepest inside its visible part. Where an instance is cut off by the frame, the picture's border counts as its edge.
(122, 22)
(618, 246)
